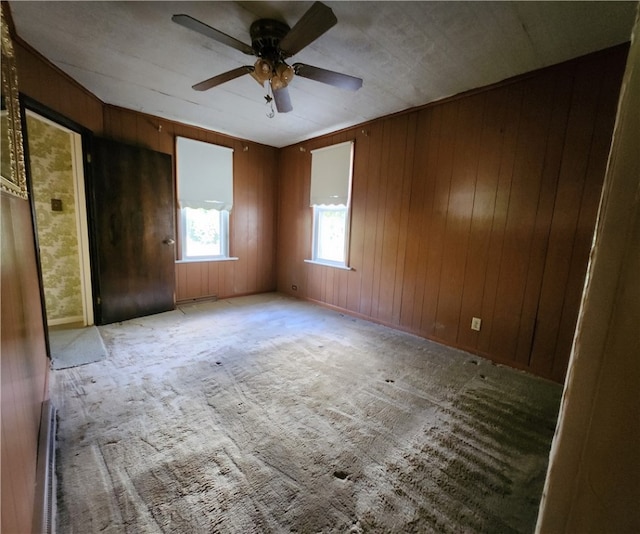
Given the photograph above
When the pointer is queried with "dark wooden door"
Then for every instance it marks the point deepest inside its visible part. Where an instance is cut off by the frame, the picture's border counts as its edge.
(133, 210)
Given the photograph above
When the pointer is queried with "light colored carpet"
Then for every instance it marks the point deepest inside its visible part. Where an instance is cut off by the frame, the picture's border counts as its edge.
(268, 414)
(75, 346)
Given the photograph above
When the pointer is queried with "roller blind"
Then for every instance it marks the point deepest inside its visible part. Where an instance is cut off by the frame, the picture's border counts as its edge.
(331, 175)
(204, 174)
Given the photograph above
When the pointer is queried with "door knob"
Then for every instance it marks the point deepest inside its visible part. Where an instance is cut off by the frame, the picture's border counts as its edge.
(169, 241)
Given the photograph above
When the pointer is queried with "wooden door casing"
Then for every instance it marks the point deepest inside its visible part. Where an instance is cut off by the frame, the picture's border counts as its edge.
(134, 231)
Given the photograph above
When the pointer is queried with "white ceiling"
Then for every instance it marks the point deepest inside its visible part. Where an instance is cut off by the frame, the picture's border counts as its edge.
(132, 55)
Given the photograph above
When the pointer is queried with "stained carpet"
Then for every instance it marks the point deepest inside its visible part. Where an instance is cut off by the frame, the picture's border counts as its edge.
(75, 346)
(268, 414)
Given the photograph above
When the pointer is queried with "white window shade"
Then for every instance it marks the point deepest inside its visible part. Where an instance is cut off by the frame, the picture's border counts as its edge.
(331, 175)
(205, 175)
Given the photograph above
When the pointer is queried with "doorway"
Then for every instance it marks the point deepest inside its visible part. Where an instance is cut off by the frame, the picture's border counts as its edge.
(59, 200)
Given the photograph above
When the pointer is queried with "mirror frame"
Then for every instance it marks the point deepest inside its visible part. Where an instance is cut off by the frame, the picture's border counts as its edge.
(13, 177)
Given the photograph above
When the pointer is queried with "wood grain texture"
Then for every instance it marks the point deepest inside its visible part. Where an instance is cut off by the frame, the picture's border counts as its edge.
(133, 205)
(24, 365)
(48, 85)
(24, 361)
(479, 206)
(252, 220)
(583, 163)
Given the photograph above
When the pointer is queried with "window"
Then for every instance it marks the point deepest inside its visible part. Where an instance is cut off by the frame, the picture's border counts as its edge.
(205, 233)
(331, 170)
(330, 233)
(205, 195)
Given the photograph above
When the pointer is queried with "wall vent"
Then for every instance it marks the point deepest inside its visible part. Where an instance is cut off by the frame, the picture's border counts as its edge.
(45, 499)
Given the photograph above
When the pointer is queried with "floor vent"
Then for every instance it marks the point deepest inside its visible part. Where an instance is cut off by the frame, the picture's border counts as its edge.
(44, 520)
(196, 300)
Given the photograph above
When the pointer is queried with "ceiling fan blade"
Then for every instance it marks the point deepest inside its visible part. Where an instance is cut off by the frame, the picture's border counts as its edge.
(222, 78)
(317, 20)
(217, 35)
(342, 81)
(283, 100)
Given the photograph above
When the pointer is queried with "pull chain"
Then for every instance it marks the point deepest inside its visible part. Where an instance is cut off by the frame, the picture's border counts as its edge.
(271, 112)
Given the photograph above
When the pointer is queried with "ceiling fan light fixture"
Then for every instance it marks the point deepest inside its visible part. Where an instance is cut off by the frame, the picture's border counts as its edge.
(262, 71)
(282, 76)
(277, 83)
(285, 73)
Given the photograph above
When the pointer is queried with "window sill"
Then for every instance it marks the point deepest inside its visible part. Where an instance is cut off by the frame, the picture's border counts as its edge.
(202, 260)
(334, 265)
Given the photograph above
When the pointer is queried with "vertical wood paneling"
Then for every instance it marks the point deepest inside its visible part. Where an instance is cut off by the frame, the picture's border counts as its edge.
(46, 84)
(611, 70)
(370, 218)
(479, 206)
(498, 221)
(393, 168)
(409, 147)
(380, 266)
(229, 271)
(24, 362)
(580, 129)
(436, 245)
(523, 201)
(546, 203)
(414, 210)
(285, 269)
(484, 201)
(536, 203)
(328, 284)
(252, 220)
(422, 206)
(482, 206)
(458, 215)
(24, 365)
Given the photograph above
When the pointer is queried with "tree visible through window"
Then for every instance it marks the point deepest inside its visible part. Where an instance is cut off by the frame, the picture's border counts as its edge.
(331, 226)
(203, 232)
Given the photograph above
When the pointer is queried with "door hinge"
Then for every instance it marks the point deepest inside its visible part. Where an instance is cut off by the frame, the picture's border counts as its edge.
(88, 158)
(99, 300)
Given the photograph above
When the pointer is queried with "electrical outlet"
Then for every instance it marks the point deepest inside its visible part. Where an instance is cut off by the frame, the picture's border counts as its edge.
(476, 323)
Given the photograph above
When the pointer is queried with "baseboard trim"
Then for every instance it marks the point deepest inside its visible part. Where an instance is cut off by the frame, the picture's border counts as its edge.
(66, 320)
(45, 498)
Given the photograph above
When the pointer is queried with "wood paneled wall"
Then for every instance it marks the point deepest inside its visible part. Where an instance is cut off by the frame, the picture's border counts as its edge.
(24, 367)
(252, 220)
(48, 85)
(479, 206)
(24, 359)
(24, 364)
(482, 205)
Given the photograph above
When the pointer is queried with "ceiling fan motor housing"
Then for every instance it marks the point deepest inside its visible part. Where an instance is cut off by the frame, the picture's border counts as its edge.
(266, 35)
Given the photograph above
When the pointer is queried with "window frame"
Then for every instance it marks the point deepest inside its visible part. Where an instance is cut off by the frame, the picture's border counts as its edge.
(197, 159)
(224, 238)
(317, 209)
(329, 195)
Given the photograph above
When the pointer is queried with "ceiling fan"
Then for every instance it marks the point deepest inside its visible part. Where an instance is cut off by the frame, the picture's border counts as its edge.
(273, 42)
